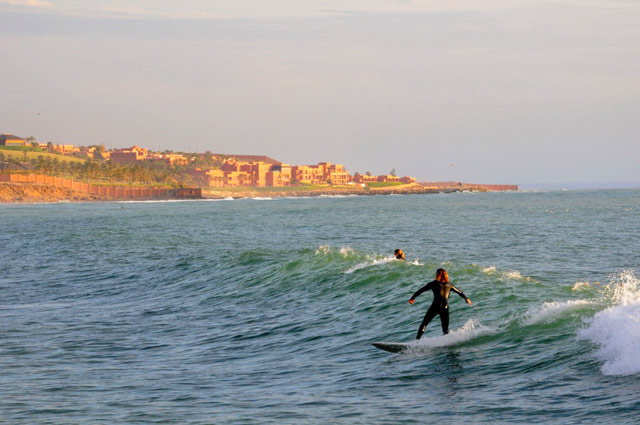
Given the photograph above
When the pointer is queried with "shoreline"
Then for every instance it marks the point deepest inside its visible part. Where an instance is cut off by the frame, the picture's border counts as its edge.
(30, 193)
(408, 189)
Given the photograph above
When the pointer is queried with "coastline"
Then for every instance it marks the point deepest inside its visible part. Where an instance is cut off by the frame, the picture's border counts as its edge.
(407, 189)
(15, 193)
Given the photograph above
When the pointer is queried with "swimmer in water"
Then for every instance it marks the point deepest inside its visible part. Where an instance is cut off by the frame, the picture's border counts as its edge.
(399, 254)
(440, 305)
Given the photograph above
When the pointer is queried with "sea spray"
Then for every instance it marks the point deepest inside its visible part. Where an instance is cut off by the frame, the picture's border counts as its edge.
(617, 329)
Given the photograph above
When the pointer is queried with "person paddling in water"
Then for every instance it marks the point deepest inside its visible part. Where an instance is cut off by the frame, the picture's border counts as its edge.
(440, 305)
(399, 254)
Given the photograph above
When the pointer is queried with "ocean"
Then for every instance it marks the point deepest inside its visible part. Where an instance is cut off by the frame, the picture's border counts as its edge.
(263, 311)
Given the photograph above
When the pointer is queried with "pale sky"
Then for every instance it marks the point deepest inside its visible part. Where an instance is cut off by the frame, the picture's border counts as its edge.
(524, 92)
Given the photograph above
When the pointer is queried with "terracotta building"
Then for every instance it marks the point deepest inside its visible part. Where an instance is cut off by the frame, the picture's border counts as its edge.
(215, 178)
(320, 173)
(279, 176)
(128, 155)
(387, 178)
(363, 178)
(237, 179)
(258, 172)
(169, 159)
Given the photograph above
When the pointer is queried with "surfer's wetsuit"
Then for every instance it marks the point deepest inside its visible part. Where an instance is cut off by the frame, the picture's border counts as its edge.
(440, 304)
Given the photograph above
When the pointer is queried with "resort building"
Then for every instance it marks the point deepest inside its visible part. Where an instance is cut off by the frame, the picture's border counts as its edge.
(128, 155)
(11, 140)
(279, 176)
(237, 179)
(387, 178)
(363, 178)
(247, 158)
(215, 178)
(169, 159)
(306, 174)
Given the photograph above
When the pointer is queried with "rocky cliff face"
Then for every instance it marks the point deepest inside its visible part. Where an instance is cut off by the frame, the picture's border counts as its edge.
(27, 192)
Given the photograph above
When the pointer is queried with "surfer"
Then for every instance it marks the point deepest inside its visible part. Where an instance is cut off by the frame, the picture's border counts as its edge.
(399, 254)
(440, 305)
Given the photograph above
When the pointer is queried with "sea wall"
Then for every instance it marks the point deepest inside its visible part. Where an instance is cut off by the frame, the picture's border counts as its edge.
(109, 192)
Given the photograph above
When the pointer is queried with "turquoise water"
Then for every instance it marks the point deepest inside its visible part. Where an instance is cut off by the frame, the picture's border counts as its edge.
(263, 311)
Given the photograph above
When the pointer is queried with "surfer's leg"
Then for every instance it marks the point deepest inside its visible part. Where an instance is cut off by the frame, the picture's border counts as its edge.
(444, 318)
(431, 313)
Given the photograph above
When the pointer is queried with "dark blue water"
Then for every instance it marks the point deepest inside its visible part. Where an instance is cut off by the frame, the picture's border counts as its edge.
(263, 311)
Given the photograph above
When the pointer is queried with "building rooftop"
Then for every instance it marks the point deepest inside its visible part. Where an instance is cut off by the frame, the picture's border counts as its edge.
(5, 136)
(250, 158)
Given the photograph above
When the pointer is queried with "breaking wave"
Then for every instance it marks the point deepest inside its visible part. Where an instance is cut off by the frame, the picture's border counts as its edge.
(369, 263)
(616, 330)
(550, 311)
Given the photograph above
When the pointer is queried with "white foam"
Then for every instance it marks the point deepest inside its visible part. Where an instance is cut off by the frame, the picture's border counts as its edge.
(617, 329)
(346, 251)
(581, 286)
(323, 250)
(514, 274)
(261, 198)
(369, 263)
(550, 311)
(337, 196)
(507, 274)
(468, 331)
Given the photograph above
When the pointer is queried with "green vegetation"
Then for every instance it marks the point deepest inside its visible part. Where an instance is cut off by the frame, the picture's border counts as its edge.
(96, 172)
(206, 161)
(384, 184)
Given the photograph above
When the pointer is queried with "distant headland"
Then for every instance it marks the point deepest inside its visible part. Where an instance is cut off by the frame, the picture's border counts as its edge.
(46, 172)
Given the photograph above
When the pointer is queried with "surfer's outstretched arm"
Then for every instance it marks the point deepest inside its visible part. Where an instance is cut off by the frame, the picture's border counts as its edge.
(420, 291)
(459, 292)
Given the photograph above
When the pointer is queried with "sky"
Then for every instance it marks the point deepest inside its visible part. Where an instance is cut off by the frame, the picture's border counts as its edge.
(485, 91)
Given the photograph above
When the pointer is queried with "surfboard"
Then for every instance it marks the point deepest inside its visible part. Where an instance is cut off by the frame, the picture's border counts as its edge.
(392, 347)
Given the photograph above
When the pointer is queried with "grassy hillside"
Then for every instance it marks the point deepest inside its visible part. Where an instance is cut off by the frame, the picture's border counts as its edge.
(384, 184)
(19, 155)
